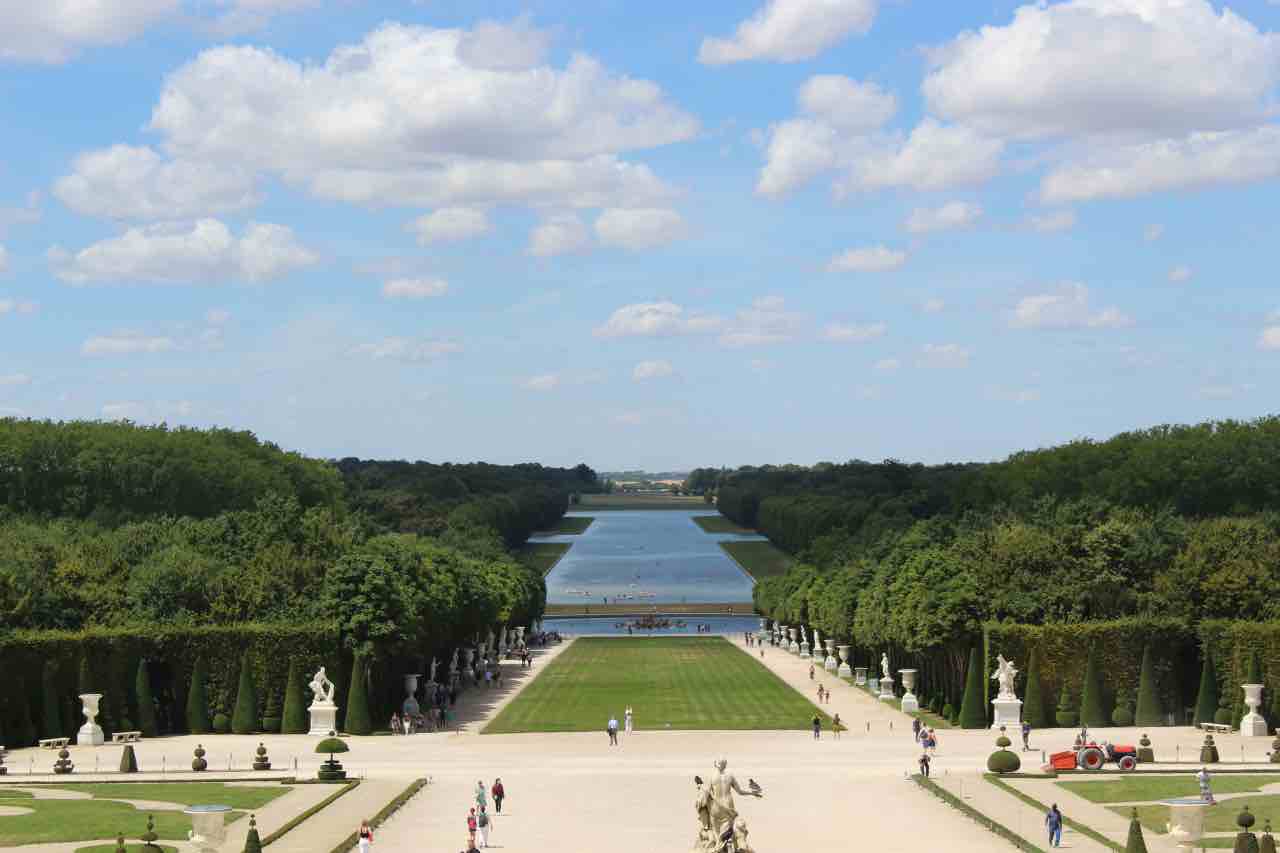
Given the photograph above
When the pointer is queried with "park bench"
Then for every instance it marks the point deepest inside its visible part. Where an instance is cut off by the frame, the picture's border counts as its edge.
(54, 742)
(126, 737)
(1216, 728)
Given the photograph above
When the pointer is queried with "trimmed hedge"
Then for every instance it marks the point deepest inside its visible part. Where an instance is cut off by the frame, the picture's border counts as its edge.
(1149, 711)
(295, 720)
(245, 719)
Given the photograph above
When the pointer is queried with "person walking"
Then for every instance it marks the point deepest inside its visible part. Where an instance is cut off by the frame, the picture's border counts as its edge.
(480, 801)
(916, 725)
(364, 836)
(483, 825)
(836, 726)
(811, 672)
(924, 764)
(817, 727)
(471, 826)
(498, 793)
(471, 845)
(1026, 735)
(612, 728)
(1053, 823)
(628, 719)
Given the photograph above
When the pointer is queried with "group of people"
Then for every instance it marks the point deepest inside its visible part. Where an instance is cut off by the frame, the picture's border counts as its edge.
(836, 726)
(611, 728)
(480, 822)
(437, 719)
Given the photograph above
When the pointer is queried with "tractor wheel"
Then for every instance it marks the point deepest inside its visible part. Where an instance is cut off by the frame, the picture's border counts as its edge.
(1092, 758)
(1128, 762)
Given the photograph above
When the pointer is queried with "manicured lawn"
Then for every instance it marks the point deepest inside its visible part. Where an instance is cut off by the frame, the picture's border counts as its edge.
(639, 502)
(129, 848)
(186, 793)
(1133, 789)
(543, 556)
(718, 524)
(760, 559)
(1220, 818)
(571, 524)
(670, 682)
(11, 794)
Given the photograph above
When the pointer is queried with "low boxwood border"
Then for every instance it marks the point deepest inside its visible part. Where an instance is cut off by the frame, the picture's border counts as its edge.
(986, 822)
(1074, 824)
(387, 811)
(311, 812)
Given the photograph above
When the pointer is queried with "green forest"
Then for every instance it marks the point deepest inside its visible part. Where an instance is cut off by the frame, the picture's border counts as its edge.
(1172, 522)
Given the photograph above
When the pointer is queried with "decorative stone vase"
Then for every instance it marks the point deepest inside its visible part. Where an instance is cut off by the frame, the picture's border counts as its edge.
(804, 649)
(260, 761)
(830, 664)
(1146, 755)
(90, 733)
(793, 646)
(1253, 724)
(1186, 821)
(910, 704)
(410, 704)
(208, 827)
(843, 670)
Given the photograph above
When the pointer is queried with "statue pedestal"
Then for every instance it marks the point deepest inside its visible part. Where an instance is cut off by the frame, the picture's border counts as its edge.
(804, 649)
(324, 718)
(1253, 724)
(873, 684)
(861, 677)
(90, 734)
(910, 704)
(1006, 712)
(886, 690)
(830, 664)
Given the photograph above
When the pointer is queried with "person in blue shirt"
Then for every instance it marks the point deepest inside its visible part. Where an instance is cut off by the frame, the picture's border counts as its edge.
(1053, 822)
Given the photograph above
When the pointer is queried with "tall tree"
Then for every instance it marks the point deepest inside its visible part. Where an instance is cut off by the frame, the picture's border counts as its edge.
(1037, 710)
(295, 703)
(146, 701)
(358, 720)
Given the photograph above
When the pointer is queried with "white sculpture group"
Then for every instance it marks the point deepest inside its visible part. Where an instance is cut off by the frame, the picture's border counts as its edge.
(718, 818)
(323, 710)
(1006, 707)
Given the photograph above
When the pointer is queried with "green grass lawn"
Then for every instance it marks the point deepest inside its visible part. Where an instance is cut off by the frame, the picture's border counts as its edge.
(670, 682)
(760, 559)
(129, 848)
(1133, 789)
(1220, 818)
(543, 556)
(11, 794)
(718, 524)
(573, 524)
(185, 793)
(620, 501)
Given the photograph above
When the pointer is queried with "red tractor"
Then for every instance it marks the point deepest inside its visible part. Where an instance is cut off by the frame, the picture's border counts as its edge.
(1091, 755)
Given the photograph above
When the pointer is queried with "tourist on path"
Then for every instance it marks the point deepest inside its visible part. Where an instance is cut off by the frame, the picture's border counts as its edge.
(924, 764)
(364, 836)
(836, 726)
(483, 826)
(817, 727)
(811, 672)
(612, 728)
(916, 725)
(498, 793)
(395, 724)
(471, 846)
(627, 718)
(1053, 823)
(471, 826)
(820, 689)
(1026, 735)
(480, 801)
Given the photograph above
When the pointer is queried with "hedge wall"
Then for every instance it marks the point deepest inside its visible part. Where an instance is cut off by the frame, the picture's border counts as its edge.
(1063, 652)
(1232, 644)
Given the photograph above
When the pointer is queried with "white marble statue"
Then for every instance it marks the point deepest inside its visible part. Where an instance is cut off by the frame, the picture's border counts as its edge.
(884, 665)
(323, 711)
(718, 814)
(817, 638)
(322, 687)
(1005, 673)
(804, 635)
(434, 663)
(453, 662)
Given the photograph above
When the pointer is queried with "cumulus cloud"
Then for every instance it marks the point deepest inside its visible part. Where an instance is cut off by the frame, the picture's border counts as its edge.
(790, 30)
(656, 319)
(17, 306)
(56, 31)
(559, 234)
(205, 251)
(935, 156)
(853, 333)
(449, 225)
(868, 259)
(1270, 338)
(652, 370)
(766, 321)
(943, 356)
(12, 379)
(1066, 307)
(541, 382)
(950, 216)
(639, 228)
(408, 350)
(414, 288)
(1052, 223)
(1181, 273)
(127, 343)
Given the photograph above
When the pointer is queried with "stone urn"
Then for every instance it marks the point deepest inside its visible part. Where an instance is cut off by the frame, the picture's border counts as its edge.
(410, 705)
(910, 704)
(208, 827)
(844, 671)
(1186, 821)
(1253, 724)
(794, 645)
(90, 733)
(830, 664)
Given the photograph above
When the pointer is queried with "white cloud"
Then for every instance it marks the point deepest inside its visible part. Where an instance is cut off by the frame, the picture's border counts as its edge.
(22, 215)
(12, 379)
(205, 251)
(943, 356)
(853, 333)
(933, 306)
(243, 16)
(504, 46)
(1052, 223)
(1181, 273)
(17, 306)
(867, 259)
(1153, 233)
(656, 319)
(766, 322)
(55, 31)
(652, 370)
(952, 215)
(560, 234)
(407, 349)
(1223, 391)
(542, 382)
(935, 156)
(1066, 307)
(127, 343)
(449, 225)
(414, 288)
(888, 364)
(790, 30)
(639, 228)
(1270, 338)
(846, 104)
(127, 182)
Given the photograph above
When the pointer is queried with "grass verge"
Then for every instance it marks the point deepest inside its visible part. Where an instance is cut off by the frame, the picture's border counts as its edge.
(1033, 802)
(383, 814)
(1135, 789)
(969, 811)
(718, 524)
(543, 556)
(758, 559)
(571, 524)
(298, 819)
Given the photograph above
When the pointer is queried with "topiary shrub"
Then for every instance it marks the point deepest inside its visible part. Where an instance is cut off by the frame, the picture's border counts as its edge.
(1223, 716)
(146, 702)
(1150, 711)
(1208, 751)
(1146, 755)
(973, 712)
(1037, 708)
(1067, 715)
(271, 725)
(358, 719)
(1091, 712)
(1207, 697)
(252, 843)
(1002, 760)
(1135, 843)
(294, 721)
(331, 770)
(198, 763)
(1122, 715)
(244, 719)
(50, 709)
(948, 712)
(221, 724)
(128, 761)
(198, 701)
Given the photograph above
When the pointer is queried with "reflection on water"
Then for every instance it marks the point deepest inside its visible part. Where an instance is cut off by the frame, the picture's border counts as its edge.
(646, 557)
(577, 627)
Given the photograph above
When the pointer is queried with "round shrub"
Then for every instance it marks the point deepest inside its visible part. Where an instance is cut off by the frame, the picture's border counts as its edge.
(1067, 719)
(1122, 716)
(1003, 742)
(1003, 761)
(271, 724)
(221, 724)
(948, 712)
(1223, 716)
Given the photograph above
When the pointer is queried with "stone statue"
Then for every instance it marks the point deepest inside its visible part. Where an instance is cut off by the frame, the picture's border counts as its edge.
(884, 665)
(1005, 673)
(453, 662)
(434, 663)
(722, 812)
(817, 638)
(702, 806)
(804, 636)
(322, 687)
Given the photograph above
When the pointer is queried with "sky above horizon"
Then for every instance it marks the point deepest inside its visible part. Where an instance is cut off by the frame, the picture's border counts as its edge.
(698, 234)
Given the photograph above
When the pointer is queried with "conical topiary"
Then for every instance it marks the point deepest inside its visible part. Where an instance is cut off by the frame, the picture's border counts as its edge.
(120, 848)
(1149, 712)
(146, 701)
(252, 843)
(973, 712)
(1033, 703)
(1067, 715)
(244, 720)
(1246, 841)
(359, 721)
(198, 700)
(1135, 843)
(128, 761)
(50, 707)
(1207, 697)
(294, 721)
(271, 708)
(1091, 712)
(1122, 714)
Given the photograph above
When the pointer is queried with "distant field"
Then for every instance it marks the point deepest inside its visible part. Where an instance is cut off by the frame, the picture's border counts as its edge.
(760, 559)
(571, 524)
(677, 683)
(718, 524)
(741, 608)
(543, 555)
(639, 502)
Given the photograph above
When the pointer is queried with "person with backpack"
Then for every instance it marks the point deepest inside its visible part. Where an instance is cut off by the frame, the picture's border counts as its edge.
(498, 793)
(483, 826)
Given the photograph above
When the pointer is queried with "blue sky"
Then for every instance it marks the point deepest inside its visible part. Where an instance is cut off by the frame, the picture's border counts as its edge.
(657, 235)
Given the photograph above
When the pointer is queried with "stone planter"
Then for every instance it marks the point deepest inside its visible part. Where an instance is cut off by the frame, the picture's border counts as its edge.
(1186, 821)
(844, 671)
(1253, 724)
(90, 733)
(208, 827)
(860, 678)
(910, 704)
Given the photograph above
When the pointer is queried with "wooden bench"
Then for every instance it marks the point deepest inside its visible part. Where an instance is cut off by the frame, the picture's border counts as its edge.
(54, 742)
(1216, 728)
(126, 737)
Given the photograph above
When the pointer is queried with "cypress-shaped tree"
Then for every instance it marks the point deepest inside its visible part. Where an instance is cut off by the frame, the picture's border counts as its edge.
(244, 720)
(1091, 712)
(359, 721)
(295, 704)
(973, 714)
(253, 844)
(1135, 843)
(1149, 711)
(1033, 702)
(1207, 698)
(198, 701)
(146, 701)
(50, 708)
